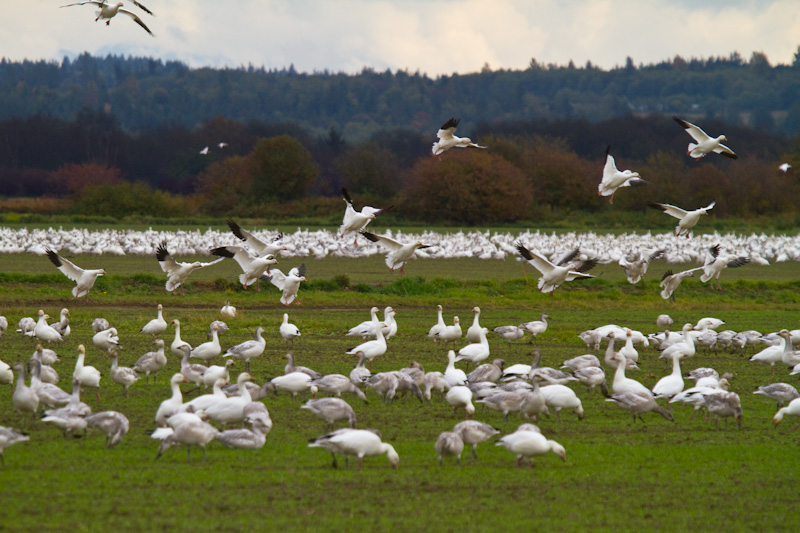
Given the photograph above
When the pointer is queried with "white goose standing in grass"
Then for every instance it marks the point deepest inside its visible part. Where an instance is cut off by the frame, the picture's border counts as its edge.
(84, 279)
(88, 376)
(474, 331)
(288, 331)
(8, 438)
(528, 444)
(288, 284)
(449, 444)
(331, 410)
(109, 11)
(459, 397)
(246, 439)
(613, 179)
(294, 383)
(558, 397)
(779, 392)
(291, 367)
(536, 327)
(6, 374)
(49, 394)
(625, 384)
(121, 375)
(231, 410)
(157, 326)
(448, 139)
(771, 354)
(26, 326)
(704, 143)
(169, 407)
(100, 324)
(554, 275)
(215, 372)
(337, 384)
(62, 326)
(177, 343)
(24, 398)
(450, 333)
(792, 409)
(686, 219)
(193, 372)
(399, 253)
(364, 329)
(152, 362)
(473, 433)
(671, 384)
(356, 442)
(360, 374)
(252, 267)
(453, 376)
(248, 350)
(637, 404)
(204, 401)
(106, 339)
(228, 311)
(45, 332)
(438, 327)
(189, 434)
(475, 352)
(355, 221)
(177, 272)
(112, 423)
(208, 350)
(371, 349)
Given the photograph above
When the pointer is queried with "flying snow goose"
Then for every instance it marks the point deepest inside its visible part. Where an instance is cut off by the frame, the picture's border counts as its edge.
(84, 279)
(248, 350)
(637, 404)
(331, 410)
(670, 282)
(449, 444)
(613, 179)
(109, 11)
(784, 167)
(399, 253)
(528, 444)
(113, 424)
(555, 275)
(152, 362)
(473, 433)
(686, 219)
(355, 221)
(228, 311)
(716, 263)
(636, 268)
(157, 326)
(704, 143)
(121, 375)
(252, 267)
(9, 437)
(288, 283)
(448, 139)
(177, 272)
(356, 442)
(261, 247)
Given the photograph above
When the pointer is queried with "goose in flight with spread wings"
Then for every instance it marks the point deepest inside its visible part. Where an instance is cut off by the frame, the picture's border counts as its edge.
(84, 279)
(288, 283)
(448, 139)
(355, 221)
(715, 263)
(109, 11)
(553, 275)
(704, 142)
(686, 219)
(260, 246)
(177, 272)
(252, 267)
(399, 253)
(613, 179)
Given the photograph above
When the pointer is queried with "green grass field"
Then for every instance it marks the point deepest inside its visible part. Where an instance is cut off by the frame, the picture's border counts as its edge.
(618, 475)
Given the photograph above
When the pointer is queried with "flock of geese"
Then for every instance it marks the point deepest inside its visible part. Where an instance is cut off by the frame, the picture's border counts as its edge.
(235, 415)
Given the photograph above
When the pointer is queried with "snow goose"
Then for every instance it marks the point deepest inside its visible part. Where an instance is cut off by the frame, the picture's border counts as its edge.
(704, 144)
(75, 406)
(62, 326)
(433, 381)
(591, 376)
(189, 434)
(536, 327)
(670, 282)
(474, 331)
(6, 374)
(216, 372)
(157, 326)
(372, 349)
(461, 397)
(625, 384)
(636, 268)
(415, 372)
(89, 376)
(439, 326)
(109, 11)
(450, 333)
(208, 350)
(261, 247)
(49, 395)
(331, 410)
(228, 311)
(784, 167)
(113, 424)
(26, 326)
(176, 346)
(637, 404)
(294, 382)
(487, 372)
(533, 402)
(99, 324)
(399, 254)
(503, 402)
(550, 375)
(291, 367)
(337, 384)
(628, 350)
(384, 384)
(779, 392)
(24, 398)
(169, 407)
(475, 352)
(453, 376)
(355, 221)
(716, 263)
(560, 397)
(686, 219)
(248, 350)
(671, 384)
(177, 272)
(84, 279)
(528, 444)
(772, 354)
(360, 374)
(152, 362)
(510, 333)
(8, 438)
(792, 409)
(724, 405)
(121, 375)
(448, 139)
(231, 410)
(289, 283)
(106, 339)
(581, 361)
(613, 179)
(288, 331)
(357, 442)
(44, 332)
(473, 433)
(252, 267)
(554, 275)
(664, 321)
(205, 401)
(68, 423)
(591, 339)
(367, 327)
(244, 438)
(193, 372)
(449, 444)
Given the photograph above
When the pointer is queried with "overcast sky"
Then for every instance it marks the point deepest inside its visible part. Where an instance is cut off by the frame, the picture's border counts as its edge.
(432, 36)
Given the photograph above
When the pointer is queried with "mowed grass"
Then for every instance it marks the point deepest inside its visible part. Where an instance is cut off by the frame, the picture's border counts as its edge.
(618, 475)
